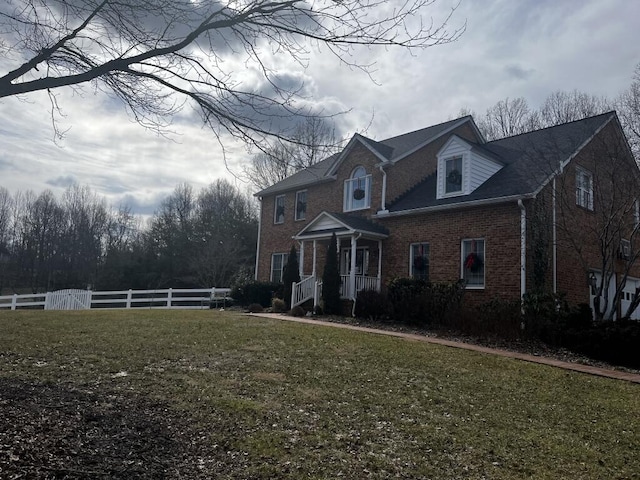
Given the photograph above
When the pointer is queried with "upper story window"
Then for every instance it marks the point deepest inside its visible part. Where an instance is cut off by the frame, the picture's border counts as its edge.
(278, 213)
(453, 175)
(301, 205)
(357, 190)
(584, 188)
(419, 257)
(473, 262)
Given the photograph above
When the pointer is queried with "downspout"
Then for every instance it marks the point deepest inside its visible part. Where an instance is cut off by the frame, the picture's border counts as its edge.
(255, 275)
(523, 249)
(384, 190)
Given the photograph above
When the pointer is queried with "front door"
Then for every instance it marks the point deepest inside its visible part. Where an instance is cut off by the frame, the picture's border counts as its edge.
(362, 261)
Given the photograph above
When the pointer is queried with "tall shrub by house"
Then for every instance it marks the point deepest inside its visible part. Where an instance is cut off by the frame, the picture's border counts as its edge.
(331, 280)
(290, 274)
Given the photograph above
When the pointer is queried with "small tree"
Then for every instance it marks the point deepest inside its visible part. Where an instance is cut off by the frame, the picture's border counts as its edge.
(331, 279)
(290, 274)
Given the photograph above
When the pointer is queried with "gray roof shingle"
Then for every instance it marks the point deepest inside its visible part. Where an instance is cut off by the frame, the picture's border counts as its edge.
(390, 149)
(529, 159)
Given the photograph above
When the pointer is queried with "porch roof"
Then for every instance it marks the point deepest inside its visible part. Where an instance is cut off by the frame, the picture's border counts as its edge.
(342, 224)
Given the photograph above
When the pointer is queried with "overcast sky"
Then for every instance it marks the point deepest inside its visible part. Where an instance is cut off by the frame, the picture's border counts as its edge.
(510, 49)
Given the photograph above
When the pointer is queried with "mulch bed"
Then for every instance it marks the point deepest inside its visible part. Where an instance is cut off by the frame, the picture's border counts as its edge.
(50, 431)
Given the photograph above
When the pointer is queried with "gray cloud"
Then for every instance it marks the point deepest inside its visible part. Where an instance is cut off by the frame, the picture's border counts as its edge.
(62, 181)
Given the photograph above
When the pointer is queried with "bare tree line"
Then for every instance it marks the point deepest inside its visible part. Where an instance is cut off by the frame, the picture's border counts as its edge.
(514, 116)
(77, 240)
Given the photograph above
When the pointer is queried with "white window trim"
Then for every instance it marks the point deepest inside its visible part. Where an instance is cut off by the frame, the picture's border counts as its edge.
(454, 193)
(442, 176)
(580, 190)
(285, 259)
(275, 209)
(411, 259)
(348, 193)
(295, 210)
(484, 258)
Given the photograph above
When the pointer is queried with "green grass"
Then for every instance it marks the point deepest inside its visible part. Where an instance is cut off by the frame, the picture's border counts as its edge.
(282, 400)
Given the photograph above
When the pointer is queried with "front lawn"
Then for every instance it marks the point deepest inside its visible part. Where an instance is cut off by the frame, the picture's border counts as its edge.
(208, 394)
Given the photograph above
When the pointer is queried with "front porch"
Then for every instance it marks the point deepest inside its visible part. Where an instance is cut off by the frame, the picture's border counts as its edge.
(353, 234)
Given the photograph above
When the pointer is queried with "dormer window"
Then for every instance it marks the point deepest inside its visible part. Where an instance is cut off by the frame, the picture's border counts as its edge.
(453, 175)
(357, 190)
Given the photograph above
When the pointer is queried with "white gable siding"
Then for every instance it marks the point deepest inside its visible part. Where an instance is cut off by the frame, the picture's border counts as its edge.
(476, 169)
(481, 170)
(325, 223)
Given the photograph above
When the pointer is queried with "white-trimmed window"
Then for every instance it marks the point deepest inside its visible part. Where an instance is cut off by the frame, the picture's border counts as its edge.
(472, 262)
(453, 175)
(357, 190)
(278, 212)
(278, 262)
(301, 205)
(362, 261)
(584, 188)
(419, 261)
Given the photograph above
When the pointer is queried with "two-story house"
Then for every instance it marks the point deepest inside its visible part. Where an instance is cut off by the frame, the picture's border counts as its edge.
(441, 203)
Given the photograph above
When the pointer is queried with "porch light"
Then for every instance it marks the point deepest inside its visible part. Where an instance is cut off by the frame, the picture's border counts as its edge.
(593, 282)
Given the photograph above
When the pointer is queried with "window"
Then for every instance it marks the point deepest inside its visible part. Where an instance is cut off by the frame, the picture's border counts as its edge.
(301, 205)
(473, 262)
(278, 214)
(357, 190)
(278, 262)
(453, 175)
(419, 261)
(636, 213)
(584, 188)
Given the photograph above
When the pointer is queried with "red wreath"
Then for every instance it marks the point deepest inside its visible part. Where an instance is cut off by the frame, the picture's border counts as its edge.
(473, 262)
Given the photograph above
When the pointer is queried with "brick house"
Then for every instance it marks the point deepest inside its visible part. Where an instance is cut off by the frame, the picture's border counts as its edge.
(443, 204)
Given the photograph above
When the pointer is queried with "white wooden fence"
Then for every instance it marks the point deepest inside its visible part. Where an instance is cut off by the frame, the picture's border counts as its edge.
(177, 298)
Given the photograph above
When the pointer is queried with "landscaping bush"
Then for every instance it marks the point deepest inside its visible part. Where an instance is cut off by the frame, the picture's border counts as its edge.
(331, 280)
(414, 300)
(545, 316)
(255, 308)
(256, 292)
(614, 342)
(371, 305)
(278, 305)
(405, 302)
(297, 311)
(498, 317)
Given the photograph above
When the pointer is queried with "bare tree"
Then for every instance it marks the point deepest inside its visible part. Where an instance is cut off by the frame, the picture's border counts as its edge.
(563, 107)
(312, 140)
(508, 117)
(159, 55)
(628, 106)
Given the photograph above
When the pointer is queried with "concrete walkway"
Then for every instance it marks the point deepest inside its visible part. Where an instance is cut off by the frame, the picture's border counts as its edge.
(578, 367)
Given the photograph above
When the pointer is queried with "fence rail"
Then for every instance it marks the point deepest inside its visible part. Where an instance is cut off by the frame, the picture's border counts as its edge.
(176, 298)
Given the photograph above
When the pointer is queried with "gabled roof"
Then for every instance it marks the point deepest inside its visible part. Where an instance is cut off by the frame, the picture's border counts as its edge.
(529, 160)
(327, 223)
(389, 150)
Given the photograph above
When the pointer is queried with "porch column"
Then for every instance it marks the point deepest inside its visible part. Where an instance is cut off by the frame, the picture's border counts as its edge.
(301, 265)
(352, 273)
(379, 281)
(315, 246)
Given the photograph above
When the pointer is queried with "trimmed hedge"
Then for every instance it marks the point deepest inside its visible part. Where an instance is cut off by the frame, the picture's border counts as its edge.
(257, 292)
(415, 301)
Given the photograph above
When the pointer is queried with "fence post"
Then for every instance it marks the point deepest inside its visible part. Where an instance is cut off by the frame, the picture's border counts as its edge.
(169, 298)
(14, 301)
(129, 299)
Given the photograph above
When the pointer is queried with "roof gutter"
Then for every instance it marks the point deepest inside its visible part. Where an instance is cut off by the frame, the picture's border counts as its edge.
(453, 206)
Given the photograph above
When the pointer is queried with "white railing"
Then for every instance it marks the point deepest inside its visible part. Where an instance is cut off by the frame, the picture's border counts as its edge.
(177, 298)
(362, 283)
(303, 290)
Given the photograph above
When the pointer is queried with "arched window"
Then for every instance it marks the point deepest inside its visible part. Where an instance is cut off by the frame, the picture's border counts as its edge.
(357, 190)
